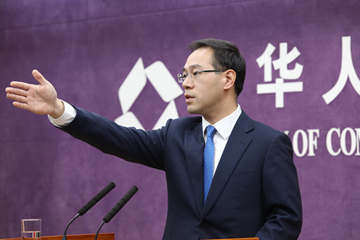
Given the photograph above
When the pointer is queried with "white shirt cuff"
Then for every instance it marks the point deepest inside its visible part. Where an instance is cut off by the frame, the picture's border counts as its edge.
(67, 117)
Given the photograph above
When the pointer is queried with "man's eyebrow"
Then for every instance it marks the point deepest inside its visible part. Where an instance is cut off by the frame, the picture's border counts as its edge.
(193, 66)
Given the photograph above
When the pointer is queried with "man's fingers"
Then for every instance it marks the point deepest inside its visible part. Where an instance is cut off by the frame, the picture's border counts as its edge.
(16, 91)
(39, 77)
(21, 105)
(20, 85)
(17, 98)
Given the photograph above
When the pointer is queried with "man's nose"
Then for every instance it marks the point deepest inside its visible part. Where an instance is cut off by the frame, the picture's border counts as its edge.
(187, 82)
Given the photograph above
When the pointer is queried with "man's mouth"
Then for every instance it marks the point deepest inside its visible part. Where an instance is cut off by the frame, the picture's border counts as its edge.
(188, 97)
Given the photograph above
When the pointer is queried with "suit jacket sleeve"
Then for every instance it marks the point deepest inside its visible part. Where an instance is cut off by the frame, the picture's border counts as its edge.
(138, 146)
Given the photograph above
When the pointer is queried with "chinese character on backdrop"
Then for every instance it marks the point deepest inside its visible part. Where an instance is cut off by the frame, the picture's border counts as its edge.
(280, 86)
(347, 72)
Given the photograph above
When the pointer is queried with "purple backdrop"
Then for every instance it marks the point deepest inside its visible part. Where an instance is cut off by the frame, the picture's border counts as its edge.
(87, 48)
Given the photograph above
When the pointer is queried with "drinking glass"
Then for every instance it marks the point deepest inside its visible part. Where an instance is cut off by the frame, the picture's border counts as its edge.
(30, 229)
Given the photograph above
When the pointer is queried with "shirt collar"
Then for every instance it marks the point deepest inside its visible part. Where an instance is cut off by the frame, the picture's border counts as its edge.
(225, 126)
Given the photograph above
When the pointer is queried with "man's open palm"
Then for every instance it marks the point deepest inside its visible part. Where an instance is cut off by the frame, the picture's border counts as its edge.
(39, 99)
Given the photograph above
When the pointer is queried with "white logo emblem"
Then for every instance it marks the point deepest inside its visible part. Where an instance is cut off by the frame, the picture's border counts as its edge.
(164, 84)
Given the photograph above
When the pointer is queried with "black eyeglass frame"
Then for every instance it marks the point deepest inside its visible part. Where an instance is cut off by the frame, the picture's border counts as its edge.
(181, 78)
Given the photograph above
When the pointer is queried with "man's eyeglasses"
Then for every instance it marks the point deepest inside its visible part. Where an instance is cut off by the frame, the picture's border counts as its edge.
(195, 75)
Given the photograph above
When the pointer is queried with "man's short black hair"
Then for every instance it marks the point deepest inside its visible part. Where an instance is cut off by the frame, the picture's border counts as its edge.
(226, 56)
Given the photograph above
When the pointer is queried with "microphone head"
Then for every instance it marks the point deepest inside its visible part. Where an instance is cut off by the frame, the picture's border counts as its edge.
(106, 190)
(96, 198)
(120, 204)
(130, 193)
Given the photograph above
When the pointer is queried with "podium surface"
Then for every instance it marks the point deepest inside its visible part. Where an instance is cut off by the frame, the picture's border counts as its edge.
(252, 238)
(101, 236)
(106, 236)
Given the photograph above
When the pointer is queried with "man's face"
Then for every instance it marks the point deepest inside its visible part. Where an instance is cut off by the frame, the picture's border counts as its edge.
(204, 94)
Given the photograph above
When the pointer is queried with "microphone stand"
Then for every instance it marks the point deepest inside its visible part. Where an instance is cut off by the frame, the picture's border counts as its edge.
(97, 233)
(64, 236)
(117, 208)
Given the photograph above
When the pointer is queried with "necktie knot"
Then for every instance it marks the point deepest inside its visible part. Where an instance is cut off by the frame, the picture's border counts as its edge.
(211, 130)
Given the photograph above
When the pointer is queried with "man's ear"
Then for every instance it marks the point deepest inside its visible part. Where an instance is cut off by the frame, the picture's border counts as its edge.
(230, 76)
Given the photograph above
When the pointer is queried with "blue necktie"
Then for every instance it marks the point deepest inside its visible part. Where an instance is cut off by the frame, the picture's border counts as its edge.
(208, 160)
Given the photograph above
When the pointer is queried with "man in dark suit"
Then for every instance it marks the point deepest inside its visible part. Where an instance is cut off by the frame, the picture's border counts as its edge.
(243, 184)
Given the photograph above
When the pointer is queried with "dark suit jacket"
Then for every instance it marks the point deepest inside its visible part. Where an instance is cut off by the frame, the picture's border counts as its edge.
(255, 190)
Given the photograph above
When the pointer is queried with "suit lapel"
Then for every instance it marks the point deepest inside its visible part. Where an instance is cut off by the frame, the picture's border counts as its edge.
(235, 148)
(194, 147)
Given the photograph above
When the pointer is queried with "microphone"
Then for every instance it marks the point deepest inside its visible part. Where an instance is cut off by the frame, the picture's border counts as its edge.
(117, 207)
(97, 198)
(90, 204)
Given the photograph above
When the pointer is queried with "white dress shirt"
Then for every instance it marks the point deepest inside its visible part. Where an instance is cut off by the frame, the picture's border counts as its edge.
(66, 118)
(224, 128)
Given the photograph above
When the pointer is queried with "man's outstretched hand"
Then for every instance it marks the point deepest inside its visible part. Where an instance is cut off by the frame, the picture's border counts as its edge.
(40, 99)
